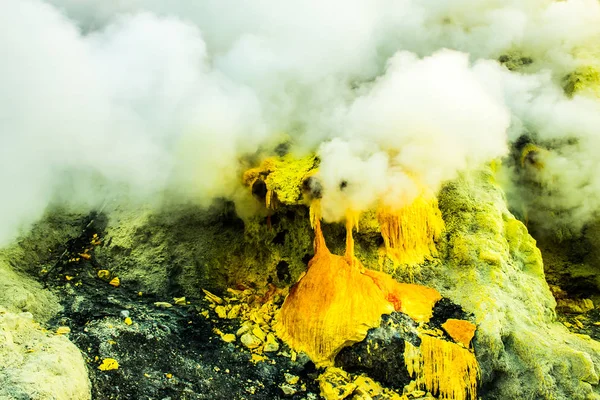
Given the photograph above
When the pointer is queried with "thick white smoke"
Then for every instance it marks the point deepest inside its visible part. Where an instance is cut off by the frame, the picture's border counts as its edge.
(420, 123)
(137, 98)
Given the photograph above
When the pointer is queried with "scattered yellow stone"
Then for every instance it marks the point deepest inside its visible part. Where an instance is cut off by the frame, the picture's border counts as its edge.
(95, 240)
(234, 312)
(163, 304)
(288, 390)
(250, 341)
(246, 326)
(179, 301)
(212, 298)
(335, 384)
(291, 379)
(271, 344)
(257, 358)
(128, 321)
(169, 376)
(112, 342)
(259, 333)
(459, 330)
(116, 282)
(205, 314)
(140, 293)
(221, 311)
(69, 277)
(147, 375)
(234, 292)
(228, 338)
(367, 386)
(103, 274)
(63, 330)
(597, 323)
(108, 364)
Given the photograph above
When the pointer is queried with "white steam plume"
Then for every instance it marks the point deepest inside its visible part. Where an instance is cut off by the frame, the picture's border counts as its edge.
(138, 98)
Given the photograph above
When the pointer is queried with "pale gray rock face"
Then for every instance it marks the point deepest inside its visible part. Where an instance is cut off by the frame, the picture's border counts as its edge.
(37, 364)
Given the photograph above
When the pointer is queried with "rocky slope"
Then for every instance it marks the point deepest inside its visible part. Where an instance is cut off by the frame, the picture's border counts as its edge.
(487, 263)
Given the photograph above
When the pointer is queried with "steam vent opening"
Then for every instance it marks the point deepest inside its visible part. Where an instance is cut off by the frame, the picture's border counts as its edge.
(362, 200)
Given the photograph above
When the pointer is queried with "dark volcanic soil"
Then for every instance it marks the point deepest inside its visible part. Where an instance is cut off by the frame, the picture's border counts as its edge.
(166, 353)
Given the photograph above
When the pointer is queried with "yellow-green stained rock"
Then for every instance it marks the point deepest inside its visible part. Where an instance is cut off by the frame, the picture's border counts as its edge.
(585, 79)
(286, 176)
(494, 270)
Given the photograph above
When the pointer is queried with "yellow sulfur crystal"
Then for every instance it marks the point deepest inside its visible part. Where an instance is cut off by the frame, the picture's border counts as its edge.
(410, 232)
(108, 364)
(443, 368)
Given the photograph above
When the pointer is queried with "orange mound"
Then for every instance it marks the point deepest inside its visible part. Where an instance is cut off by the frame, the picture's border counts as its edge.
(337, 301)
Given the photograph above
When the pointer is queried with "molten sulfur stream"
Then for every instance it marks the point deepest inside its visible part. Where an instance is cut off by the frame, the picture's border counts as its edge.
(337, 301)
(409, 232)
(443, 368)
(333, 305)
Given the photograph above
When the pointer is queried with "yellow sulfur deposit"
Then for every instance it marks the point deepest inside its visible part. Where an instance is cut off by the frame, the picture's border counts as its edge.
(410, 232)
(459, 330)
(443, 368)
(332, 306)
(108, 364)
(283, 177)
(416, 301)
(337, 301)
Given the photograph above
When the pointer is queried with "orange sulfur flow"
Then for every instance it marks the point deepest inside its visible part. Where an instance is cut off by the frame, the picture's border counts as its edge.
(337, 301)
(332, 306)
